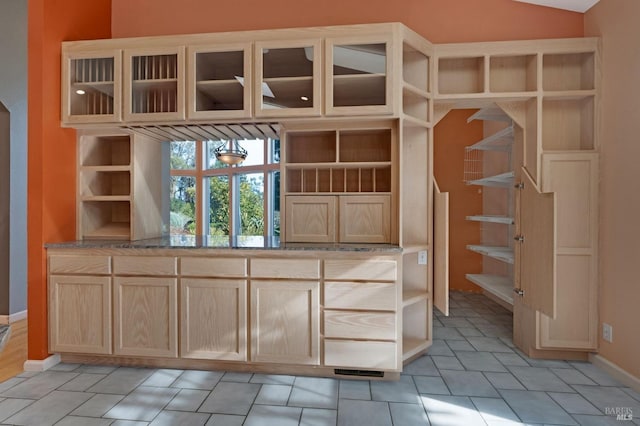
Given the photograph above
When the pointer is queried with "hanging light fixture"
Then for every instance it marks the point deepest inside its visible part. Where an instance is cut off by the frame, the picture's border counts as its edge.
(230, 152)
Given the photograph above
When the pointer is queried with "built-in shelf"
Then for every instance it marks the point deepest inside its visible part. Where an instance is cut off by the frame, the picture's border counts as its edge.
(499, 141)
(412, 347)
(504, 254)
(502, 180)
(491, 219)
(499, 286)
(409, 297)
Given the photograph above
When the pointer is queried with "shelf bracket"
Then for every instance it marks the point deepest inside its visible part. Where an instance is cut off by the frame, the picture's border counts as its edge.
(519, 238)
(518, 291)
(519, 185)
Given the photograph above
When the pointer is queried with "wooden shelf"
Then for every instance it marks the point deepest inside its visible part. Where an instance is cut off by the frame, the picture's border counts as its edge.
(499, 286)
(499, 141)
(115, 231)
(491, 219)
(105, 198)
(359, 89)
(503, 180)
(412, 347)
(503, 254)
(105, 87)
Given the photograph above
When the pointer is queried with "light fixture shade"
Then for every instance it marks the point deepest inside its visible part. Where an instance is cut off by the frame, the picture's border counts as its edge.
(230, 152)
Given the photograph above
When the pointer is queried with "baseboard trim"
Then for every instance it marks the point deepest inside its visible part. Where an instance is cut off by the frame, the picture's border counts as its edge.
(41, 365)
(618, 373)
(8, 319)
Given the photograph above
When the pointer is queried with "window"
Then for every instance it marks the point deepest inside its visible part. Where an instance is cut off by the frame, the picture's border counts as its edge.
(211, 198)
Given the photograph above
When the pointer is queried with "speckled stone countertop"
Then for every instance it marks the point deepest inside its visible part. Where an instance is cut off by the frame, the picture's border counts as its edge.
(209, 242)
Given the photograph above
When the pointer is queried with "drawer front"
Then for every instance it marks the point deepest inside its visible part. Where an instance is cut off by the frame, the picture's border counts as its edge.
(213, 267)
(361, 355)
(77, 264)
(285, 268)
(145, 265)
(360, 325)
(370, 296)
(367, 270)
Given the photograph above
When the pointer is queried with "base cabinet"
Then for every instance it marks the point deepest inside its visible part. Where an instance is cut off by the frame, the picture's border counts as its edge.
(285, 322)
(213, 319)
(146, 316)
(80, 314)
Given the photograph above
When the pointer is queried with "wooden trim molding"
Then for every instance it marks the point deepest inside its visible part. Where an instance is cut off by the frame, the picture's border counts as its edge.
(11, 318)
(43, 364)
(615, 371)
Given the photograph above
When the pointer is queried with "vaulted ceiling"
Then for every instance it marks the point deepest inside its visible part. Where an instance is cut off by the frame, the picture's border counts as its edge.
(573, 5)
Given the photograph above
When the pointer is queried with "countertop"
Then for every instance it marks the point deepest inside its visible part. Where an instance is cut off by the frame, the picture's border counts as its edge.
(215, 242)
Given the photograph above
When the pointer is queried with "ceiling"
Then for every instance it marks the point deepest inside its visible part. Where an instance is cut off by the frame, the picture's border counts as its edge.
(573, 5)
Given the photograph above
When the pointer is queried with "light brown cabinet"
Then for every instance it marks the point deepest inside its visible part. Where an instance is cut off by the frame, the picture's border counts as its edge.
(285, 322)
(80, 304)
(92, 86)
(154, 84)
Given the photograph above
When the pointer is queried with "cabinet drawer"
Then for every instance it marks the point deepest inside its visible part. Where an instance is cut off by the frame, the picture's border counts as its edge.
(285, 268)
(361, 355)
(368, 270)
(77, 264)
(360, 325)
(370, 296)
(144, 265)
(213, 267)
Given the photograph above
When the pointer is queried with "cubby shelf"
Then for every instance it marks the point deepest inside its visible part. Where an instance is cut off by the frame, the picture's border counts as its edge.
(503, 254)
(409, 297)
(499, 286)
(413, 346)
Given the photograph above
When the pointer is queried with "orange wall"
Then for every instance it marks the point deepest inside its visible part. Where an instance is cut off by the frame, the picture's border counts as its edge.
(616, 22)
(437, 20)
(52, 153)
(452, 134)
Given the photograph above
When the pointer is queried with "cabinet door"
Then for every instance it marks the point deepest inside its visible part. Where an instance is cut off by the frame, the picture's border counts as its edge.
(146, 316)
(91, 86)
(80, 314)
(359, 76)
(310, 219)
(288, 78)
(219, 81)
(154, 84)
(573, 177)
(365, 219)
(441, 250)
(285, 322)
(537, 267)
(214, 319)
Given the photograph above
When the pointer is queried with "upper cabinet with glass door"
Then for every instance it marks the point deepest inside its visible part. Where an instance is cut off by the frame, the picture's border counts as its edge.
(91, 87)
(154, 84)
(358, 76)
(219, 81)
(288, 78)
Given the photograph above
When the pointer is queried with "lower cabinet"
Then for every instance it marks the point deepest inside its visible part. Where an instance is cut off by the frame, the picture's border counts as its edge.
(213, 319)
(146, 316)
(80, 314)
(285, 322)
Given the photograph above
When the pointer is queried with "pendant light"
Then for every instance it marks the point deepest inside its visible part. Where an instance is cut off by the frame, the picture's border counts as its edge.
(230, 152)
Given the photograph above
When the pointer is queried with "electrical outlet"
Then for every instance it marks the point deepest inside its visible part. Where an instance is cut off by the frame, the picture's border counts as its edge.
(422, 257)
(607, 332)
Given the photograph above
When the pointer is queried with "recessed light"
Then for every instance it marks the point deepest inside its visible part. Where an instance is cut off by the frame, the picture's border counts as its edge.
(80, 92)
(304, 98)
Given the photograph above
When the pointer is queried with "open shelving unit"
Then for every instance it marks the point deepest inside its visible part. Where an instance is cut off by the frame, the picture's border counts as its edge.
(496, 228)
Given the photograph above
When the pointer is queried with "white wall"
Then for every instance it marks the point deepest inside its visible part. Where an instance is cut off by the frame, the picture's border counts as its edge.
(616, 21)
(13, 94)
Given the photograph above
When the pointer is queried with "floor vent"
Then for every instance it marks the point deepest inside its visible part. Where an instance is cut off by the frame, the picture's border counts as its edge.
(364, 373)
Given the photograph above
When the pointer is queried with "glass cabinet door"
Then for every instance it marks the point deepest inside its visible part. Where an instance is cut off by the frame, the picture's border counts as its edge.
(288, 78)
(358, 77)
(91, 87)
(219, 81)
(154, 84)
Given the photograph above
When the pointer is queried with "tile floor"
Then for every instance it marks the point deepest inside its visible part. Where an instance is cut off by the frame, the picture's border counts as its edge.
(472, 375)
